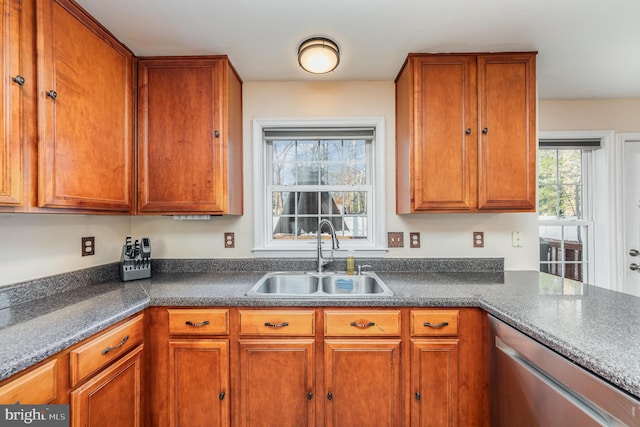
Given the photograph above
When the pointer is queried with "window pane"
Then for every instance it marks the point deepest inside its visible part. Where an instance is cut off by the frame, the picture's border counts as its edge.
(355, 202)
(547, 167)
(356, 227)
(563, 251)
(569, 166)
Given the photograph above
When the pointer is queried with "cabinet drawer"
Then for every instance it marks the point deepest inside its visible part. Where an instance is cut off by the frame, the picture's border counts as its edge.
(277, 322)
(434, 323)
(199, 321)
(362, 323)
(33, 388)
(100, 351)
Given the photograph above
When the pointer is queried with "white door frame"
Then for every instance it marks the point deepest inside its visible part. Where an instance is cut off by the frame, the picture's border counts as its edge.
(621, 251)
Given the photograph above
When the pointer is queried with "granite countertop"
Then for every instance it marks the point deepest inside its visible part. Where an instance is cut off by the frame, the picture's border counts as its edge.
(596, 328)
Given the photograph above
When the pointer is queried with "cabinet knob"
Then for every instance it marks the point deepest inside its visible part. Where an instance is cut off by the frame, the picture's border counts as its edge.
(634, 252)
(330, 396)
(468, 131)
(52, 94)
(216, 133)
(310, 395)
(418, 395)
(485, 130)
(634, 267)
(221, 396)
(19, 79)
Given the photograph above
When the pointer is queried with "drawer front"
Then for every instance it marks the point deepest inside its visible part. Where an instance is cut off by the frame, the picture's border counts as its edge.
(199, 321)
(100, 351)
(33, 388)
(277, 322)
(352, 323)
(434, 323)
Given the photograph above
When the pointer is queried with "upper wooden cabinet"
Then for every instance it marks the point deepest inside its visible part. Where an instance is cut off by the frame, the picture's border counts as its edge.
(85, 112)
(189, 136)
(466, 133)
(17, 111)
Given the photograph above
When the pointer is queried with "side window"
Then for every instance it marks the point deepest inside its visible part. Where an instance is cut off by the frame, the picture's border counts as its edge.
(564, 208)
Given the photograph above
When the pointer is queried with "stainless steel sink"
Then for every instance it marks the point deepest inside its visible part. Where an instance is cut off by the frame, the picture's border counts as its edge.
(313, 284)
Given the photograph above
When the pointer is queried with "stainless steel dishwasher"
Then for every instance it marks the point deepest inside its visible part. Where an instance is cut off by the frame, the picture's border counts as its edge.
(531, 385)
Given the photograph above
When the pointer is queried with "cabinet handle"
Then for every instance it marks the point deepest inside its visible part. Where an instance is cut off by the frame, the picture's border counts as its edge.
(221, 396)
(329, 396)
(276, 325)
(216, 133)
(310, 395)
(197, 325)
(468, 131)
(52, 94)
(436, 325)
(117, 346)
(363, 325)
(634, 252)
(634, 267)
(19, 79)
(418, 395)
(485, 130)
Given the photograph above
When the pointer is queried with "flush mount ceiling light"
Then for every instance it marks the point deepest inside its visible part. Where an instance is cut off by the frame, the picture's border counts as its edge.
(318, 55)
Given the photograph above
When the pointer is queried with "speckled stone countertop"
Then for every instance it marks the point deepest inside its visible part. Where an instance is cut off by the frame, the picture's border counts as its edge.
(596, 328)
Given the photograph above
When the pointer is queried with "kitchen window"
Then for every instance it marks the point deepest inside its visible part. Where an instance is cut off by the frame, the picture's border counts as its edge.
(565, 176)
(310, 170)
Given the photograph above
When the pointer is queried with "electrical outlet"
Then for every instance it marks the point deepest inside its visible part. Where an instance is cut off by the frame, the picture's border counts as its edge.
(516, 239)
(88, 246)
(395, 239)
(229, 240)
(478, 239)
(414, 240)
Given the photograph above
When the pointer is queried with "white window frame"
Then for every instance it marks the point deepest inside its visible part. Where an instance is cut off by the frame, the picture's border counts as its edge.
(264, 245)
(601, 213)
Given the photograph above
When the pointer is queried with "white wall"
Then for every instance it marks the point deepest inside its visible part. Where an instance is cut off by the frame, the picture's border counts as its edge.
(33, 245)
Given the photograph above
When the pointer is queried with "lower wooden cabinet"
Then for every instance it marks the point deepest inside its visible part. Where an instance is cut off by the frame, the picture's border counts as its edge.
(434, 382)
(112, 397)
(37, 386)
(277, 382)
(362, 378)
(198, 382)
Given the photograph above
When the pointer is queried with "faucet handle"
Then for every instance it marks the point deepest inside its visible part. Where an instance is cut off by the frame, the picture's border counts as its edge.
(360, 267)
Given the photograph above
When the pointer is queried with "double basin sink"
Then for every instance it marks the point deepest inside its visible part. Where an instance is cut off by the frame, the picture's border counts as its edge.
(314, 284)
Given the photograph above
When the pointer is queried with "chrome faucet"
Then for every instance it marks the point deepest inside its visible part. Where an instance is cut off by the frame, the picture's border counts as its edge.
(322, 261)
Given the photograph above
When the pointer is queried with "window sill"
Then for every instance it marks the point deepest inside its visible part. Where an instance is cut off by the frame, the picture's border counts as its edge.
(312, 253)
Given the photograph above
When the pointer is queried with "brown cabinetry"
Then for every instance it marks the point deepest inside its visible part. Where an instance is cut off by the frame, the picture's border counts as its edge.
(189, 136)
(113, 396)
(17, 87)
(198, 367)
(277, 368)
(107, 372)
(67, 129)
(362, 372)
(466, 133)
(85, 104)
(38, 386)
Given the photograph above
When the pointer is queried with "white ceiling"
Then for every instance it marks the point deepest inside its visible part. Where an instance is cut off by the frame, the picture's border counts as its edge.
(586, 48)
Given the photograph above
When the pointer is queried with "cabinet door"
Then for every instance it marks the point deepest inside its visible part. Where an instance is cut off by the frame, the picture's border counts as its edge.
(85, 112)
(277, 382)
(445, 139)
(507, 152)
(199, 382)
(362, 379)
(12, 30)
(112, 397)
(181, 151)
(434, 382)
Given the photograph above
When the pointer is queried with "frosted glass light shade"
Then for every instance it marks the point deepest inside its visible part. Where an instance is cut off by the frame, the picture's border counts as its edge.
(318, 55)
